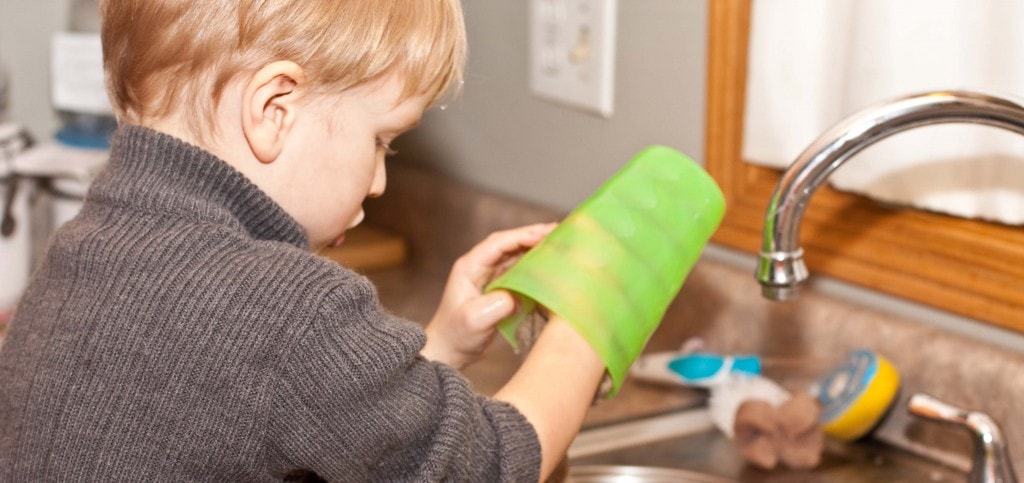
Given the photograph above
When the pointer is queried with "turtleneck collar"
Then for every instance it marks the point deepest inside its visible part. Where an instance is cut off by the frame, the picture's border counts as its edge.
(161, 173)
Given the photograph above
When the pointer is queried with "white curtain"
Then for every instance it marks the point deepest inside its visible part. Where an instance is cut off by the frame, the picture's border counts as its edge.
(814, 62)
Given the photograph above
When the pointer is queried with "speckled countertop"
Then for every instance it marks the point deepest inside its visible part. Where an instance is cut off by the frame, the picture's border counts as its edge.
(719, 303)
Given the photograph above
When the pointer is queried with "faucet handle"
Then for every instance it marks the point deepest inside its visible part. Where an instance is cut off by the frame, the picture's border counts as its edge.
(991, 461)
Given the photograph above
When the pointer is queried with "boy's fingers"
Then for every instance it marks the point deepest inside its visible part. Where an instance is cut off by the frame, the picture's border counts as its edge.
(502, 243)
(486, 310)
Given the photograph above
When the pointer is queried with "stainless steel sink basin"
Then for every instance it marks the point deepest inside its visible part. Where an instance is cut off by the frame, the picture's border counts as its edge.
(684, 446)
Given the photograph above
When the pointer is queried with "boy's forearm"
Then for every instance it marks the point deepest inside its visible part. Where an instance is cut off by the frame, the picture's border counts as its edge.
(554, 388)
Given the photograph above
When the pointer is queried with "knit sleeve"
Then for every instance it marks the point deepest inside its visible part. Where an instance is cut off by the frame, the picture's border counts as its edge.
(355, 402)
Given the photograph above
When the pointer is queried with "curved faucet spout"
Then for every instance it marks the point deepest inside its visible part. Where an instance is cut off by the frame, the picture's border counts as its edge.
(781, 268)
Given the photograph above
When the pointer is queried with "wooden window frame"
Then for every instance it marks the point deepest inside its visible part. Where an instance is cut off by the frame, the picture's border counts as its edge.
(967, 267)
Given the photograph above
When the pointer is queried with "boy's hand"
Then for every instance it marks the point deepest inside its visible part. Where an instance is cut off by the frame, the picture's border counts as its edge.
(464, 325)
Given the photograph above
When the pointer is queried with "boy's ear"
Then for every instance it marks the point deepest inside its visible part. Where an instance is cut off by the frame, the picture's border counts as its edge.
(269, 107)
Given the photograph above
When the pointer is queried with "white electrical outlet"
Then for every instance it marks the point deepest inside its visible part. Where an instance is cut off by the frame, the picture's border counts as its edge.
(572, 53)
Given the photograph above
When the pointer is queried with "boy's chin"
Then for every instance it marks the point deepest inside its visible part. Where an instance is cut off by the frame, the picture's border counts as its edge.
(338, 241)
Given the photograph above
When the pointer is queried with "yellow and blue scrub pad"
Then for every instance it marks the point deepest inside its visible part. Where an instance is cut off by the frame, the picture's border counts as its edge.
(855, 394)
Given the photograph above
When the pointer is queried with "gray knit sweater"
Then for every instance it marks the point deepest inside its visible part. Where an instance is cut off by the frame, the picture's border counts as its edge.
(179, 330)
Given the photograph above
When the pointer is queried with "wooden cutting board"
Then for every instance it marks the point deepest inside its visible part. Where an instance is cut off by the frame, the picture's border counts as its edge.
(369, 247)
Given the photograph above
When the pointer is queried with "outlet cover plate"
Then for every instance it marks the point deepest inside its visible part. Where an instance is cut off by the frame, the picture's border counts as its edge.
(572, 53)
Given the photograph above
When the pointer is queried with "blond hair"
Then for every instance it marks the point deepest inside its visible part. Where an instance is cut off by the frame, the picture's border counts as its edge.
(164, 55)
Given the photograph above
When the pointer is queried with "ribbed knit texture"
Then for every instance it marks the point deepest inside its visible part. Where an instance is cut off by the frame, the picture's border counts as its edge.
(179, 330)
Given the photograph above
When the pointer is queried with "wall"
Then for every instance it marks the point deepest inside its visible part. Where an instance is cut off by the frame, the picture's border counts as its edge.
(498, 136)
(25, 31)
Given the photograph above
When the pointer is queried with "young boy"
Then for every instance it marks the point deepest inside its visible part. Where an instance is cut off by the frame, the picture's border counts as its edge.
(181, 329)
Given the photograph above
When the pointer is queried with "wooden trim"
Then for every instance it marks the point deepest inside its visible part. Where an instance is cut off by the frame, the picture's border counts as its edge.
(967, 267)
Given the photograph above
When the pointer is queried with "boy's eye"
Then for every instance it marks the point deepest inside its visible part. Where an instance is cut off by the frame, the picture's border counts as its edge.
(387, 148)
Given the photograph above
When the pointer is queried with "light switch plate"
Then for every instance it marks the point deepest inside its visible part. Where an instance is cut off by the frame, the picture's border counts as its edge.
(572, 53)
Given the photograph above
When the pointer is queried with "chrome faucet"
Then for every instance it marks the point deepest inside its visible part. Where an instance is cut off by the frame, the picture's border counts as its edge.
(781, 268)
(991, 461)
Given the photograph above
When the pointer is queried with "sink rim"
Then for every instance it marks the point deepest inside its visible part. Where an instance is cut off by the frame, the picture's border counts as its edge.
(637, 474)
(640, 431)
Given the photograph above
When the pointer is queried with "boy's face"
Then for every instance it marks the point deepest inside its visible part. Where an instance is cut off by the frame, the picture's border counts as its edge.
(339, 159)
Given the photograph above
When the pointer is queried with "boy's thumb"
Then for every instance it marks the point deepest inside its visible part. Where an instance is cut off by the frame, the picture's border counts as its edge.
(485, 311)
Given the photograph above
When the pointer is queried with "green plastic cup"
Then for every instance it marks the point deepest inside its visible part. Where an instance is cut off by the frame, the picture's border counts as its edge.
(612, 267)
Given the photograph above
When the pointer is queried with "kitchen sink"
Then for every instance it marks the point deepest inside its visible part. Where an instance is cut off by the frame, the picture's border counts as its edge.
(684, 446)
